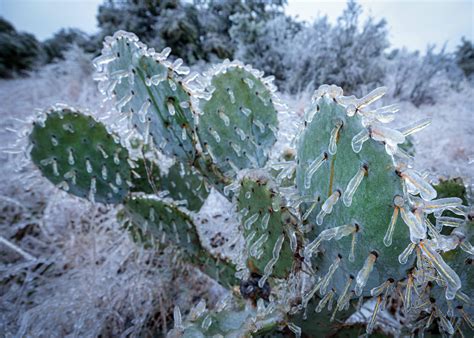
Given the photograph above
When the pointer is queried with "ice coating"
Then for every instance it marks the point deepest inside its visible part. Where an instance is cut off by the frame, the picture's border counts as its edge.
(453, 283)
(328, 234)
(332, 148)
(417, 227)
(327, 206)
(312, 168)
(363, 274)
(353, 185)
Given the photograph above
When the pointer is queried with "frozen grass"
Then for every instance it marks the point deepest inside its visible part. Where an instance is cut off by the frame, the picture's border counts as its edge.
(67, 267)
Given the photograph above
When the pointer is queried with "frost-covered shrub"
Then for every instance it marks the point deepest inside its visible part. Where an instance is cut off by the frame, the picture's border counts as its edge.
(56, 46)
(420, 79)
(19, 52)
(465, 57)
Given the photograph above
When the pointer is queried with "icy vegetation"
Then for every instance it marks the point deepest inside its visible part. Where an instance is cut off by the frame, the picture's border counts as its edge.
(214, 215)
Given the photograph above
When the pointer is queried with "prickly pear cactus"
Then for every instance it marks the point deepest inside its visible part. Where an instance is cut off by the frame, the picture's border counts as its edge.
(340, 222)
(80, 156)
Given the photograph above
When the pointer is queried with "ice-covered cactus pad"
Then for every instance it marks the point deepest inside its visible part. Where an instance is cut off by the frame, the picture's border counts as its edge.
(366, 207)
(150, 91)
(80, 156)
(239, 123)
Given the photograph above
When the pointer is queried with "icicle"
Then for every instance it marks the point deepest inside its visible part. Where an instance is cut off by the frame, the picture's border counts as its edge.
(248, 194)
(353, 185)
(427, 192)
(353, 244)
(381, 133)
(236, 148)
(466, 247)
(359, 139)
(452, 222)
(371, 97)
(293, 240)
(269, 266)
(444, 323)
(265, 220)
(310, 210)
(341, 301)
(116, 158)
(332, 149)
(224, 118)
(241, 133)
(398, 202)
(312, 168)
(231, 95)
(249, 82)
(215, 135)
(378, 290)
(92, 190)
(415, 127)
(71, 175)
(88, 166)
(327, 278)
(257, 245)
(231, 187)
(384, 114)
(403, 257)
(259, 124)
(183, 133)
(245, 111)
(363, 274)
(327, 206)
(104, 172)
(325, 300)
(453, 283)
(143, 111)
(250, 221)
(54, 141)
(118, 179)
(63, 185)
(206, 323)
(417, 227)
(441, 204)
(295, 329)
(178, 323)
(171, 108)
(408, 290)
(70, 158)
(124, 101)
(172, 85)
(328, 234)
(371, 324)
(102, 151)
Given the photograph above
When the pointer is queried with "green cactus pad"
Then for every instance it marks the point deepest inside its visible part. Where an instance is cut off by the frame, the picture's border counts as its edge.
(182, 182)
(373, 202)
(168, 225)
(164, 221)
(239, 122)
(264, 220)
(149, 90)
(79, 155)
(234, 318)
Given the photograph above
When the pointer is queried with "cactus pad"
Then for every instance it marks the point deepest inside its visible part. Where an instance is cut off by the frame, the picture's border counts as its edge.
(239, 122)
(148, 89)
(269, 229)
(79, 155)
(181, 182)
